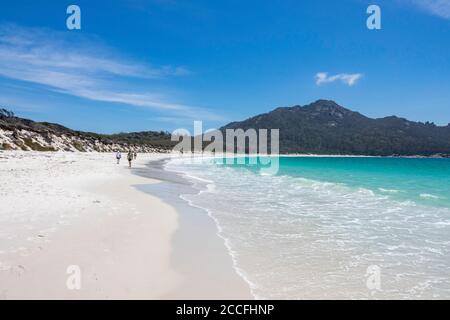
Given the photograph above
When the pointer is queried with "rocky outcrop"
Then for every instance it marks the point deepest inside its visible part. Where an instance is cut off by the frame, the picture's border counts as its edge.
(23, 134)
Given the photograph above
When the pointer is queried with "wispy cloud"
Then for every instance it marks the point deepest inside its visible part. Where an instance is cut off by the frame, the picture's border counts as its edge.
(440, 8)
(84, 68)
(348, 79)
(43, 48)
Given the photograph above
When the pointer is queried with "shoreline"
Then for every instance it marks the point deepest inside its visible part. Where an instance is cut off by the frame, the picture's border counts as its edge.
(204, 210)
(128, 243)
(285, 249)
(219, 274)
(134, 233)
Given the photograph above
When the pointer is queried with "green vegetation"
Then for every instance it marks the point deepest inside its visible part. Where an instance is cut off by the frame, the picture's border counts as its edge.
(324, 127)
(36, 146)
(155, 139)
(9, 122)
(6, 113)
(78, 146)
(6, 146)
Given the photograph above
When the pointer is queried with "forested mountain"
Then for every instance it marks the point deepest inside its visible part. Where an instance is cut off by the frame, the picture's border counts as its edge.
(324, 127)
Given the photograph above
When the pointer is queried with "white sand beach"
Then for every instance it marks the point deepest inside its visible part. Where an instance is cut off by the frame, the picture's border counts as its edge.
(82, 209)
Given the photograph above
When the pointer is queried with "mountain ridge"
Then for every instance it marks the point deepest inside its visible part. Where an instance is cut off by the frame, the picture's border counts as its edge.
(322, 127)
(325, 127)
(27, 135)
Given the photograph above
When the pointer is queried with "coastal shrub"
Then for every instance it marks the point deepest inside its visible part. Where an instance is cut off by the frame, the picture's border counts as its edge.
(77, 145)
(36, 146)
(6, 113)
(6, 146)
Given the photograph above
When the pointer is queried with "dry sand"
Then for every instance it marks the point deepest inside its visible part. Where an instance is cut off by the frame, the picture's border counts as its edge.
(73, 209)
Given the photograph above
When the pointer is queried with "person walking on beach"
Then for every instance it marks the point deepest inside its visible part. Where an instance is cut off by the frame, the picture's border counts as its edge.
(135, 155)
(130, 158)
(118, 156)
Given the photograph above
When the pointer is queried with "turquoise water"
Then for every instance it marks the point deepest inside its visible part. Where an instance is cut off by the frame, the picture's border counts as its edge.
(318, 227)
(425, 181)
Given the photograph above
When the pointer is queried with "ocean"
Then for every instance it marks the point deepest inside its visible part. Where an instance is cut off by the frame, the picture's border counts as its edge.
(330, 227)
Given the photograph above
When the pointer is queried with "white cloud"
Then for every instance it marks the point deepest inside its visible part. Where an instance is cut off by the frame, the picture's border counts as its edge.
(84, 68)
(43, 48)
(440, 8)
(348, 79)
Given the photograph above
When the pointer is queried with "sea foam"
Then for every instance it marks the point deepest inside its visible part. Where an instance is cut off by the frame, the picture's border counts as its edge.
(297, 238)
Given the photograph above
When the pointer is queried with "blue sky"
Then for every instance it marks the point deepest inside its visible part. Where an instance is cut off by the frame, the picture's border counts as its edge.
(161, 64)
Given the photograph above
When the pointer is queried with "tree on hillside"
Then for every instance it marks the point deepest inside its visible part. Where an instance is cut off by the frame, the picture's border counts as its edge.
(6, 113)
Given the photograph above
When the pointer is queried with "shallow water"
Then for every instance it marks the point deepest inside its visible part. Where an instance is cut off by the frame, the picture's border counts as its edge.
(319, 227)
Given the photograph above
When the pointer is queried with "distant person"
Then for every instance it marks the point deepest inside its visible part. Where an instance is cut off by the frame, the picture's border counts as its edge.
(135, 155)
(130, 158)
(118, 156)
